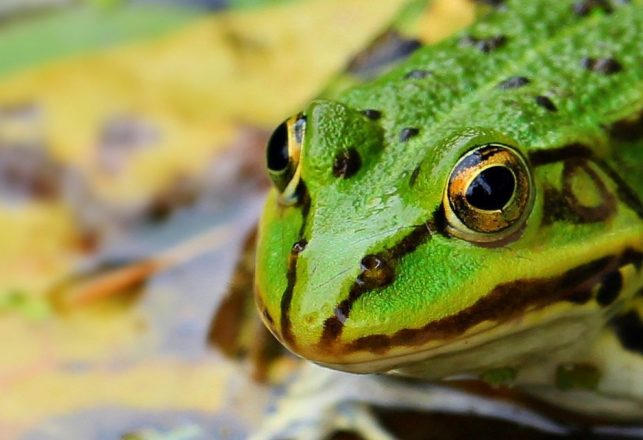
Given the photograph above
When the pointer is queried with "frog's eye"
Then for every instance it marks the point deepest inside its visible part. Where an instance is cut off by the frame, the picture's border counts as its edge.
(282, 156)
(489, 194)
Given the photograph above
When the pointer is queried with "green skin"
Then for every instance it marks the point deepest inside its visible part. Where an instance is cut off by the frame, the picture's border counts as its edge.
(452, 304)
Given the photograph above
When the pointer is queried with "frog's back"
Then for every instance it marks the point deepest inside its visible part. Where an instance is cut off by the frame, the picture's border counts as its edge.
(547, 73)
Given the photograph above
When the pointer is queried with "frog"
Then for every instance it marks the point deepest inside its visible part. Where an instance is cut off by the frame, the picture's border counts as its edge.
(464, 211)
(474, 211)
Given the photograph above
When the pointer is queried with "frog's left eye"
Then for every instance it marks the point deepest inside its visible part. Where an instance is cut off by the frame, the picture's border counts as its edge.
(282, 156)
(489, 194)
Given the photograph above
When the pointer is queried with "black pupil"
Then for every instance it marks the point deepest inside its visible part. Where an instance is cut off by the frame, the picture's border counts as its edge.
(277, 151)
(492, 188)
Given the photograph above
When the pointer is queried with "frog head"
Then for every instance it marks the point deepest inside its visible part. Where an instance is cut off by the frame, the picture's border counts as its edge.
(385, 246)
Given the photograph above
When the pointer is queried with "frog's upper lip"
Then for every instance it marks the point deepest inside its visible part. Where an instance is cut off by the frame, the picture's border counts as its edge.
(438, 357)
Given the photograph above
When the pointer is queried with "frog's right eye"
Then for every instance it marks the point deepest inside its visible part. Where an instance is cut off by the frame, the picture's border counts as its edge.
(282, 156)
(489, 194)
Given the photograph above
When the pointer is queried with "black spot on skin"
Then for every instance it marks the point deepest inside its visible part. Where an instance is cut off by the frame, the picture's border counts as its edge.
(346, 164)
(605, 66)
(514, 82)
(418, 74)
(588, 63)
(610, 288)
(485, 45)
(585, 7)
(492, 43)
(628, 130)
(371, 114)
(493, 3)
(629, 329)
(414, 176)
(546, 103)
(408, 133)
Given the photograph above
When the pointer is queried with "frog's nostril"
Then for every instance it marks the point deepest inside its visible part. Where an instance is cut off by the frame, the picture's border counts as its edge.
(346, 163)
(376, 272)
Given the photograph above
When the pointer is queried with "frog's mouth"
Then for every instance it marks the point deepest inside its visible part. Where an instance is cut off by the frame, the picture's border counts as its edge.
(488, 346)
(531, 316)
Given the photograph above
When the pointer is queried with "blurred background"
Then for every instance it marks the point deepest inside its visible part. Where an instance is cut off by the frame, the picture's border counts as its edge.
(131, 168)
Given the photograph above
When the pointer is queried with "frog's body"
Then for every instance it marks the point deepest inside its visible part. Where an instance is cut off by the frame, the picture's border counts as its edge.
(374, 254)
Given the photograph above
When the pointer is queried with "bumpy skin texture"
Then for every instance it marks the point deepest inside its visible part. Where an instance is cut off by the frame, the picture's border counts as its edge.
(435, 291)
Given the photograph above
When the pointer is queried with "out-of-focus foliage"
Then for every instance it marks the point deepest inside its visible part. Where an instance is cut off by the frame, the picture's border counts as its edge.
(27, 42)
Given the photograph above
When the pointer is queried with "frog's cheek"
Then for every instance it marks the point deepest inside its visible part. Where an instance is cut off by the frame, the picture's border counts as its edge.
(278, 244)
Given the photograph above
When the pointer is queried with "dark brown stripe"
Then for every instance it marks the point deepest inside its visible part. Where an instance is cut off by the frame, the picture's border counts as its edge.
(610, 288)
(555, 207)
(505, 302)
(627, 130)
(629, 329)
(549, 156)
(334, 325)
(291, 275)
(586, 214)
(625, 193)
(634, 257)
(376, 273)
